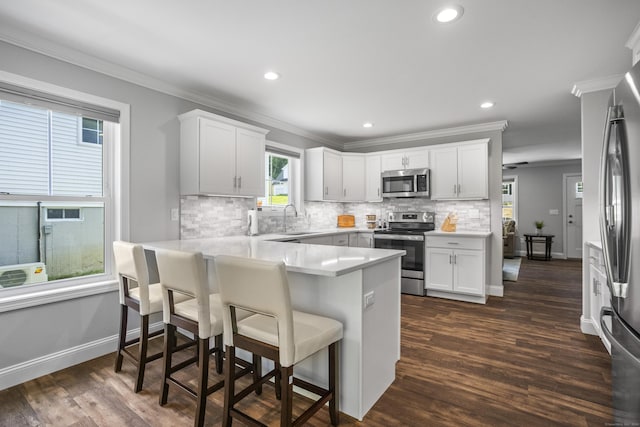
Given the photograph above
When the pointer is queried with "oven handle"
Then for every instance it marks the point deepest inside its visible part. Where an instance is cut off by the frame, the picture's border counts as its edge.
(398, 237)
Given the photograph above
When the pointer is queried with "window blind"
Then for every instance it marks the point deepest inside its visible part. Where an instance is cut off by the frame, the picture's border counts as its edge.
(28, 96)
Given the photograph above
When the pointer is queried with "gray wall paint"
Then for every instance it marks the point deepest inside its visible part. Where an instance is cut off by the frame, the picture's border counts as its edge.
(154, 190)
(539, 190)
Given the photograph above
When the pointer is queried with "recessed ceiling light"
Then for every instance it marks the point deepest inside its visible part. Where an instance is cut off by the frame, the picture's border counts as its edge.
(367, 125)
(449, 14)
(487, 104)
(271, 75)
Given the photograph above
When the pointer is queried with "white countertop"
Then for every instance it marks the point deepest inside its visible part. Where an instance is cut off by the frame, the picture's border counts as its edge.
(595, 244)
(318, 260)
(460, 233)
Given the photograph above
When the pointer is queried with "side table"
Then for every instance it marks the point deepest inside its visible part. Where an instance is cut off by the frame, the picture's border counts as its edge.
(539, 238)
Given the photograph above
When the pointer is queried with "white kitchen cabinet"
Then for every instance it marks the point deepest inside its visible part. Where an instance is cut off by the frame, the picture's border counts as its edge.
(599, 295)
(353, 177)
(405, 159)
(318, 240)
(373, 180)
(460, 171)
(220, 156)
(456, 265)
(341, 239)
(331, 176)
(361, 240)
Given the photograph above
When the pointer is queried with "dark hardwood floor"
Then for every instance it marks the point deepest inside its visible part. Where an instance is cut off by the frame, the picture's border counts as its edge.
(520, 360)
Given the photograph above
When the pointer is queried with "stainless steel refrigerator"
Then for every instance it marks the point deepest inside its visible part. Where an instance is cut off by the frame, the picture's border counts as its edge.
(620, 233)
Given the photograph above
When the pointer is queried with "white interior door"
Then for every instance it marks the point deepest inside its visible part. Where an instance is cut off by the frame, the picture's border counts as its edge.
(573, 215)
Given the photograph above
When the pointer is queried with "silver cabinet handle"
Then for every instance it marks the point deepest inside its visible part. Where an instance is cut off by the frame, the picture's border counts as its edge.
(453, 243)
(455, 258)
(239, 182)
(615, 205)
(326, 191)
(454, 189)
(458, 188)
(450, 259)
(344, 192)
(235, 182)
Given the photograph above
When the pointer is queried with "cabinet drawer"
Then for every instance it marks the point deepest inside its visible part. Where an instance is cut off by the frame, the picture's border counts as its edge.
(455, 242)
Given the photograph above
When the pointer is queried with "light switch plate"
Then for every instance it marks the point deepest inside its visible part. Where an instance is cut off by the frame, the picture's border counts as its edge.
(554, 212)
(369, 299)
(175, 214)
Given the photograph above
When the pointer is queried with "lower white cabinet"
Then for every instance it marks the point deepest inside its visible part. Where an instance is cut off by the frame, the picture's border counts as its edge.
(361, 240)
(599, 295)
(456, 265)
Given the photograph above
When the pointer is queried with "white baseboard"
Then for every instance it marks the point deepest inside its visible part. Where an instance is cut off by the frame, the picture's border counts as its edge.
(34, 368)
(586, 326)
(554, 255)
(496, 290)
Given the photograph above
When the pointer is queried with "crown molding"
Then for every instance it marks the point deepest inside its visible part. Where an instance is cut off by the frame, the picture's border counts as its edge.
(46, 47)
(419, 136)
(595, 85)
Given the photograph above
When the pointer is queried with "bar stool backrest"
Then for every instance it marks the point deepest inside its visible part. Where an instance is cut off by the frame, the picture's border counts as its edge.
(185, 273)
(261, 287)
(132, 264)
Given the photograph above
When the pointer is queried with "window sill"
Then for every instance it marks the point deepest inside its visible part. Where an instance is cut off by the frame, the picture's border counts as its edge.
(48, 296)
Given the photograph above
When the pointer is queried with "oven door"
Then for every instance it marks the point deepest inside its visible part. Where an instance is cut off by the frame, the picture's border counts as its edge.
(412, 264)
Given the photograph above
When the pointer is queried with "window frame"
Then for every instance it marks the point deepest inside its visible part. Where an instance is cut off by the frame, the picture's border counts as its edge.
(514, 194)
(115, 189)
(296, 178)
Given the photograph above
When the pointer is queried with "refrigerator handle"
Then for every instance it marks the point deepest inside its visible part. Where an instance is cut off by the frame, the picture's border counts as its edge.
(608, 312)
(615, 203)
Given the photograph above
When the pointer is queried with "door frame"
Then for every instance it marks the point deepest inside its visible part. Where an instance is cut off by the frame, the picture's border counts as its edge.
(565, 232)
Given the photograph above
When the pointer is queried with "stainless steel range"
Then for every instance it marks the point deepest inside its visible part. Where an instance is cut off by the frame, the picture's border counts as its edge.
(406, 232)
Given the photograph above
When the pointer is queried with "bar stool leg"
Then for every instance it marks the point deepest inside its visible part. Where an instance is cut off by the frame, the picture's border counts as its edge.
(286, 402)
(169, 340)
(124, 312)
(229, 385)
(334, 385)
(219, 348)
(278, 380)
(203, 362)
(257, 372)
(142, 350)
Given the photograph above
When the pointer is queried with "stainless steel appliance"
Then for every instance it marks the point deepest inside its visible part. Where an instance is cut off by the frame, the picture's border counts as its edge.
(405, 183)
(620, 233)
(406, 232)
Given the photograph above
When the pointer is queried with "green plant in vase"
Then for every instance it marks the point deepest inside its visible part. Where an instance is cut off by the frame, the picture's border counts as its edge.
(539, 225)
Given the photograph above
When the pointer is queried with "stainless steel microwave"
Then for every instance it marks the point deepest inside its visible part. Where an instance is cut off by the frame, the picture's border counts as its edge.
(405, 183)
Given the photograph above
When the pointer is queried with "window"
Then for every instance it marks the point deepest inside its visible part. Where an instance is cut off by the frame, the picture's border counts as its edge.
(282, 181)
(92, 131)
(62, 199)
(509, 198)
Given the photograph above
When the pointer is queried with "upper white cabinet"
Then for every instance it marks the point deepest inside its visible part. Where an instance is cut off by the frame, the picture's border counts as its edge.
(353, 177)
(373, 181)
(220, 156)
(405, 159)
(331, 176)
(460, 171)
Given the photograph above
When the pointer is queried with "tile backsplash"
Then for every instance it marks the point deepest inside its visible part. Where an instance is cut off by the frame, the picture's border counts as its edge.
(202, 216)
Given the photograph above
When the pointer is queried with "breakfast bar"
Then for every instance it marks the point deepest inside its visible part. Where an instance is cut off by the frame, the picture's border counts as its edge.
(358, 286)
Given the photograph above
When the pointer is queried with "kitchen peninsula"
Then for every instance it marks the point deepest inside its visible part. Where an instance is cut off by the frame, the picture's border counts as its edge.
(358, 286)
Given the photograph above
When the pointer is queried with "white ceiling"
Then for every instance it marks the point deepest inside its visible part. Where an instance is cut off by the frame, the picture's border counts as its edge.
(344, 62)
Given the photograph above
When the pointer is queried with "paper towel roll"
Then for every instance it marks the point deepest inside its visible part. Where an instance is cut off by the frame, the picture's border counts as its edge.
(252, 222)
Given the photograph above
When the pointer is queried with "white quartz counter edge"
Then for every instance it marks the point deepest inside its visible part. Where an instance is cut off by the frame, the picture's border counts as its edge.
(459, 233)
(595, 244)
(316, 260)
(303, 234)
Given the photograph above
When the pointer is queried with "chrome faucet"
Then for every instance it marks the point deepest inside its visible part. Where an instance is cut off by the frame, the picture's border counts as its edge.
(284, 222)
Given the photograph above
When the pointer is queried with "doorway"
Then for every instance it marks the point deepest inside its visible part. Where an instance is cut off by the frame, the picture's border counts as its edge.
(572, 224)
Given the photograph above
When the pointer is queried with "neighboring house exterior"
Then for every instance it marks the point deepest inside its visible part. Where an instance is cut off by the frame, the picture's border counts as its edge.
(48, 153)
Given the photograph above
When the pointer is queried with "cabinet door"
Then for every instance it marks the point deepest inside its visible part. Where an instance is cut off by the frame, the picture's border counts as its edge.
(473, 176)
(595, 297)
(341, 240)
(332, 176)
(468, 272)
(444, 173)
(365, 240)
(217, 157)
(439, 269)
(320, 240)
(373, 192)
(353, 174)
(250, 162)
(392, 161)
(417, 159)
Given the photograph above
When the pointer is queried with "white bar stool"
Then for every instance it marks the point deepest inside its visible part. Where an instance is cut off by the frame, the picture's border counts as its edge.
(136, 294)
(276, 332)
(184, 274)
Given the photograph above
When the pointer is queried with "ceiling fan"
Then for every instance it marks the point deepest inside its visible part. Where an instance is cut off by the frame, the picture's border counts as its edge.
(513, 165)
